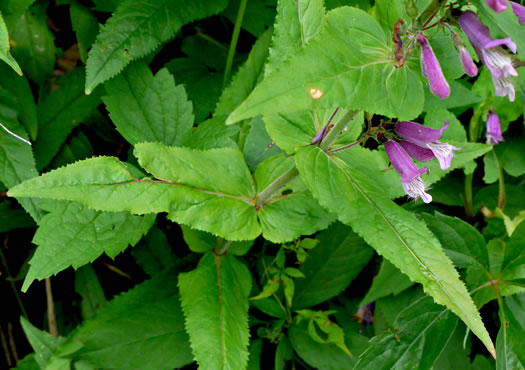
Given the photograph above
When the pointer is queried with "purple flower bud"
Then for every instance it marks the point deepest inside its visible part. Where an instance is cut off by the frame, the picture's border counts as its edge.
(491, 53)
(319, 136)
(410, 174)
(497, 5)
(493, 129)
(519, 10)
(466, 60)
(427, 138)
(432, 70)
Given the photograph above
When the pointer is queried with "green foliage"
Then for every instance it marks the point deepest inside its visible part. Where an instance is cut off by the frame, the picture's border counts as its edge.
(214, 298)
(5, 55)
(136, 29)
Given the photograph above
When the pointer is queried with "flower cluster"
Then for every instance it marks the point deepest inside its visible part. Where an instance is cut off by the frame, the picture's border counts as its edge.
(421, 143)
(490, 52)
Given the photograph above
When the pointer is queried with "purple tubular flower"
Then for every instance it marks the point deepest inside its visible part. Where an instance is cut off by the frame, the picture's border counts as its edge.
(491, 53)
(319, 136)
(497, 5)
(432, 70)
(410, 174)
(519, 10)
(468, 64)
(418, 153)
(493, 129)
(426, 137)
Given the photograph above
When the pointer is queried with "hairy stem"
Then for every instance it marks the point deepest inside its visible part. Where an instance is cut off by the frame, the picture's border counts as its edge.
(332, 135)
(233, 43)
(275, 186)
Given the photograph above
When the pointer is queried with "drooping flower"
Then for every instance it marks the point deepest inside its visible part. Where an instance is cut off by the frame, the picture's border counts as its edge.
(410, 174)
(491, 53)
(519, 10)
(497, 5)
(418, 153)
(432, 70)
(493, 129)
(468, 64)
(428, 138)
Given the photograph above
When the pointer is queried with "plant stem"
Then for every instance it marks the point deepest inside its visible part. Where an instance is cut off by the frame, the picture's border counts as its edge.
(333, 134)
(275, 186)
(233, 43)
(361, 139)
(223, 248)
(51, 318)
(13, 286)
(430, 12)
(468, 196)
(502, 198)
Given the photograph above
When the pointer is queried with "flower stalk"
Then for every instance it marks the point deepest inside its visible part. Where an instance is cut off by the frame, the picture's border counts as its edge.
(275, 186)
(332, 135)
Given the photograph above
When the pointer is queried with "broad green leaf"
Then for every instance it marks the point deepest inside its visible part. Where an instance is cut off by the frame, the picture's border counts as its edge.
(254, 361)
(212, 133)
(201, 242)
(388, 12)
(488, 197)
(502, 24)
(137, 28)
(325, 356)
(209, 190)
(12, 217)
(5, 55)
(154, 252)
(258, 145)
(447, 54)
(294, 130)
(349, 64)
(107, 5)
(18, 87)
(214, 298)
(8, 7)
(344, 184)
(144, 326)
(331, 265)
(419, 335)
(509, 345)
(436, 118)
(461, 95)
(202, 85)
(76, 148)
(511, 156)
(86, 27)
(490, 168)
(34, 47)
(283, 353)
(296, 23)
(292, 211)
(43, 343)
(389, 280)
(258, 16)
(148, 108)
(89, 288)
(16, 157)
(246, 78)
(74, 235)
(60, 112)
(27, 363)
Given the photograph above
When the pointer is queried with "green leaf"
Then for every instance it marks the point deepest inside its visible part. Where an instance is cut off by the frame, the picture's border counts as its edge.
(201, 242)
(215, 302)
(212, 133)
(13, 218)
(85, 25)
(43, 343)
(388, 12)
(9, 7)
(389, 280)
(76, 148)
(325, 356)
(89, 288)
(148, 108)
(283, 353)
(292, 211)
(296, 24)
(74, 235)
(154, 253)
(511, 156)
(208, 190)
(349, 64)
(60, 112)
(246, 78)
(509, 344)
(271, 286)
(331, 265)
(137, 28)
(339, 183)
(436, 118)
(34, 47)
(254, 361)
(461, 95)
(258, 16)
(5, 55)
(154, 310)
(258, 145)
(419, 335)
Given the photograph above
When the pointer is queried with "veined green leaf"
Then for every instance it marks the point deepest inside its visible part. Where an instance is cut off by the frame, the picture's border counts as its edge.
(349, 64)
(86, 27)
(419, 335)
(344, 184)
(74, 235)
(214, 298)
(509, 344)
(154, 253)
(149, 108)
(43, 343)
(5, 55)
(9, 7)
(60, 112)
(138, 27)
(209, 190)
(331, 265)
(296, 24)
(145, 326)
(89, 288)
